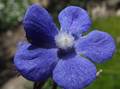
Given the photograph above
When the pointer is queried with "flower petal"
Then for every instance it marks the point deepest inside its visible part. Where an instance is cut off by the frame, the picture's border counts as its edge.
(74, 20)
(34, 63)
(39, 26)
(74, 73)
(97, 46)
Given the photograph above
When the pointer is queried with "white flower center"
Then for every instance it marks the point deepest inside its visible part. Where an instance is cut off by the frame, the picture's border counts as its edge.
(64, 40)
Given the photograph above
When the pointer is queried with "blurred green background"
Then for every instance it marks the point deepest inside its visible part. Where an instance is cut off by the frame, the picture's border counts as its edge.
(104, 13)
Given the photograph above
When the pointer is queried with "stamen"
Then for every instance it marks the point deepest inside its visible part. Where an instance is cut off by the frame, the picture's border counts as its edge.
(64, 40)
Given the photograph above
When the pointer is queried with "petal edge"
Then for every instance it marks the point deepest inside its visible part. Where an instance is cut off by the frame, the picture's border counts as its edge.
(39, 26)
(35, 64)
(97, 45)
(74, 73)
(74, 20)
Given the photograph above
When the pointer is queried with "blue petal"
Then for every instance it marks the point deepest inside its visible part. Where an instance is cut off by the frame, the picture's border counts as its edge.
(97, 46)
(39, 26)
(34, 63)
(74, 20)
(74, 73)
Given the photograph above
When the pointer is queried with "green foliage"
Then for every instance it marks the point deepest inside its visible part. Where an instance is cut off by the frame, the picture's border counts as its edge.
(11, 12)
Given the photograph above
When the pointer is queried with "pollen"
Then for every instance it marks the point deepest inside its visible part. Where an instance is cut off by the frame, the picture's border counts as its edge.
(64, 40)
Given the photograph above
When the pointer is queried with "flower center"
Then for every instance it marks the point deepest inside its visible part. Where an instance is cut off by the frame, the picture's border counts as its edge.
(64, 40)
(66, 54)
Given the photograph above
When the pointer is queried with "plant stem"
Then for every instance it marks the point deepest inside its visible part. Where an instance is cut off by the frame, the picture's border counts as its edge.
(54, 86)
(38, 85)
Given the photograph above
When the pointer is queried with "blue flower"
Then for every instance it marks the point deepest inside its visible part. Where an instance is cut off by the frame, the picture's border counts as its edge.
(67, 55)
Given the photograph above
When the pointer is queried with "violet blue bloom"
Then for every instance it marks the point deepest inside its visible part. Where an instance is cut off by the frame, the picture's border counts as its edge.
(67, 55)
